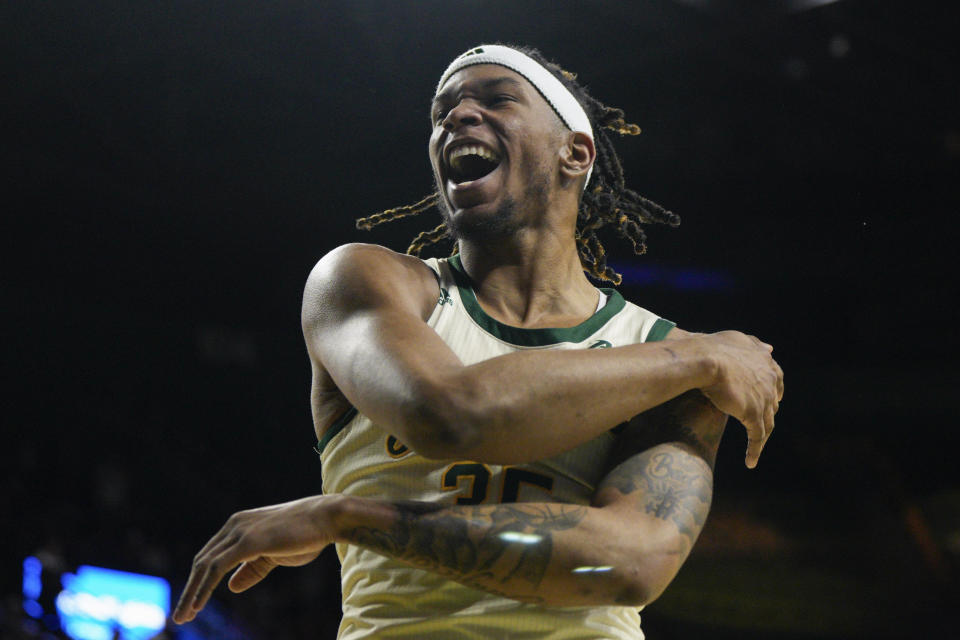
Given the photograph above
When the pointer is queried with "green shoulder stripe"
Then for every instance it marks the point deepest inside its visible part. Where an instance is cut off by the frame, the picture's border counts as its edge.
(531, 337)
(335, 428)
(660, 329)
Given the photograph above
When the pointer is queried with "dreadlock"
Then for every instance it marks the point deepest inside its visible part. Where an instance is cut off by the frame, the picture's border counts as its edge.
(607, 203)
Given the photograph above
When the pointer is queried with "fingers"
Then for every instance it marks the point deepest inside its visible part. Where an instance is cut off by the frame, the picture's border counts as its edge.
(209, 567)
(182, 612)
(260, 539)
(250, 573)
(779, 384)
(751, 389)
(756, 436)
(768, 424)
(217, 567)
(197, 573)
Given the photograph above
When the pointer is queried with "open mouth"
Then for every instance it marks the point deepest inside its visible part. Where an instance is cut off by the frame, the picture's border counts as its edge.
(471, 162)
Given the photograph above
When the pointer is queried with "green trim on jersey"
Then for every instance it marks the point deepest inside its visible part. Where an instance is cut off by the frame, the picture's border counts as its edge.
(531, 337)
(660, 329)
(335, 428)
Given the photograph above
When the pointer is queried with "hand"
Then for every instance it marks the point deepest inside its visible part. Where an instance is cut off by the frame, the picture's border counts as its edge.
(749, 386)
(289, 534)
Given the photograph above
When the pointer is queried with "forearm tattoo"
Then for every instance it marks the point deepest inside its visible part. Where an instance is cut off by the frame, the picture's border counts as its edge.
(670, 483)
(506, 549)
(481, 546)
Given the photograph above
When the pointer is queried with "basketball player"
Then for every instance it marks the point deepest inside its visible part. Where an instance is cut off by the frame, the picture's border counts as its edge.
(508, 451)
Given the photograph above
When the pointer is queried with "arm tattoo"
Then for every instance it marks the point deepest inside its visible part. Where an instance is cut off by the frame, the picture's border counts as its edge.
(480, 545)
(506, 549)
(668, 482)
(690, 419)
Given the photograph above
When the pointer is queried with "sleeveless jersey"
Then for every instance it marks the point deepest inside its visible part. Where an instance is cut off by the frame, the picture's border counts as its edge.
(385, 598)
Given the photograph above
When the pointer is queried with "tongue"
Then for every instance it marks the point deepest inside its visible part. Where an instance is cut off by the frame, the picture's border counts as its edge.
(472, 167)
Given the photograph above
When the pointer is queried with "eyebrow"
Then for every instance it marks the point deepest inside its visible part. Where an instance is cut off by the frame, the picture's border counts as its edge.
(485, 85)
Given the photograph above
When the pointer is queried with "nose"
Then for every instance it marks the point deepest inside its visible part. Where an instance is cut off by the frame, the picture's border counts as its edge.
(465, 113)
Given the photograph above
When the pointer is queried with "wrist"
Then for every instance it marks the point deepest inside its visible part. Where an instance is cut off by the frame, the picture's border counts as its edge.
(707, 361)
(336, 514)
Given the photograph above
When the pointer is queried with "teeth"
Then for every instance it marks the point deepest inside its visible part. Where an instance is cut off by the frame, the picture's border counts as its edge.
(471, 150)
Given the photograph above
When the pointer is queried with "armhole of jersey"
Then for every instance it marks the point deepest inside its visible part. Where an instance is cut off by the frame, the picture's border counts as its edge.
(338, 426)
(659, 330)
(441, 271)
(434, 266)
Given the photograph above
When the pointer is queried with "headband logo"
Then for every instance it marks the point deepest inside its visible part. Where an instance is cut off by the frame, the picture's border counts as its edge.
(472, 52)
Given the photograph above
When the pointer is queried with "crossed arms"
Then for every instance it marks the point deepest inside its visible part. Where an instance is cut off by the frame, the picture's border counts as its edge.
(364, 313)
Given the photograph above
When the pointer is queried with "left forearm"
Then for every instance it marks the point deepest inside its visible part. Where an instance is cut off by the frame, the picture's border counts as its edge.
(623, 549)
(545, 553)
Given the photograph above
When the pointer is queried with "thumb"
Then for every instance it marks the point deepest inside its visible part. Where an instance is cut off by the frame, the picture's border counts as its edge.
(250, 573)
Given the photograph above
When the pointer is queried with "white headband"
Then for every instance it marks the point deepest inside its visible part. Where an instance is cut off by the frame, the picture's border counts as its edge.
(552, 90)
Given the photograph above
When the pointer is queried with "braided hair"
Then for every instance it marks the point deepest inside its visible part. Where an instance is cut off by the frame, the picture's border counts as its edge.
(606, 203)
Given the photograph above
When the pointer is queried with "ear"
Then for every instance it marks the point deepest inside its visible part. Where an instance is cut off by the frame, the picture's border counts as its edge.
(576, 157)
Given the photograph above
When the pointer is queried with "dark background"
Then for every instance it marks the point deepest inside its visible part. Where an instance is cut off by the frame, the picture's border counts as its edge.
(175, 169)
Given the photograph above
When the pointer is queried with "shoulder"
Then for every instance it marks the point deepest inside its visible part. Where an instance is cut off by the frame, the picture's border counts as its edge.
(676, 333)
(354, 276)
(365, 263)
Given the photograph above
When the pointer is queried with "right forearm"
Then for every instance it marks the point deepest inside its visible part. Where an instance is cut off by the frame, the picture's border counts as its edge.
(364, 320)
(503, 406)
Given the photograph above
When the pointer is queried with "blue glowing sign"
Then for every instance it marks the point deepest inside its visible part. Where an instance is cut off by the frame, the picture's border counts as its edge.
(32, 586)
(95, 603)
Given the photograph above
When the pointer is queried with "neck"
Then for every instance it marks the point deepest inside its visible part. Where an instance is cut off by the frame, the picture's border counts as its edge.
(531, 279)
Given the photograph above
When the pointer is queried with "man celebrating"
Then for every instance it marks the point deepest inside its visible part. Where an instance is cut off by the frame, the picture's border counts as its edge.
(507, 450)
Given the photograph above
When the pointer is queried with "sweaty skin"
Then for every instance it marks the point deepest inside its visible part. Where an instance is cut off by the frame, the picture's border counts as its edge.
(364, 322)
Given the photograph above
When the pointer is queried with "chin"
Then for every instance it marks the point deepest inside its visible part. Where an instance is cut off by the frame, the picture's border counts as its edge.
(484, 222)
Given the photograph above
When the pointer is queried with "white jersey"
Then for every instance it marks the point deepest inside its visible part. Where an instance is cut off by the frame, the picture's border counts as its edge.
(385, 598)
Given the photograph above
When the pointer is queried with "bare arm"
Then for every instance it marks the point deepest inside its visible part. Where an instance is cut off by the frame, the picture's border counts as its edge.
(623, 549)
(364, 323)
(623, 552)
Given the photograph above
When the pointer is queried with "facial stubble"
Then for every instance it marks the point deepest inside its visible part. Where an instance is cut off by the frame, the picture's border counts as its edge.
(505, 223)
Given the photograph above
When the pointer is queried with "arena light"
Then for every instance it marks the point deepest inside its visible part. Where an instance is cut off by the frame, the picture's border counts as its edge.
(99, 604)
